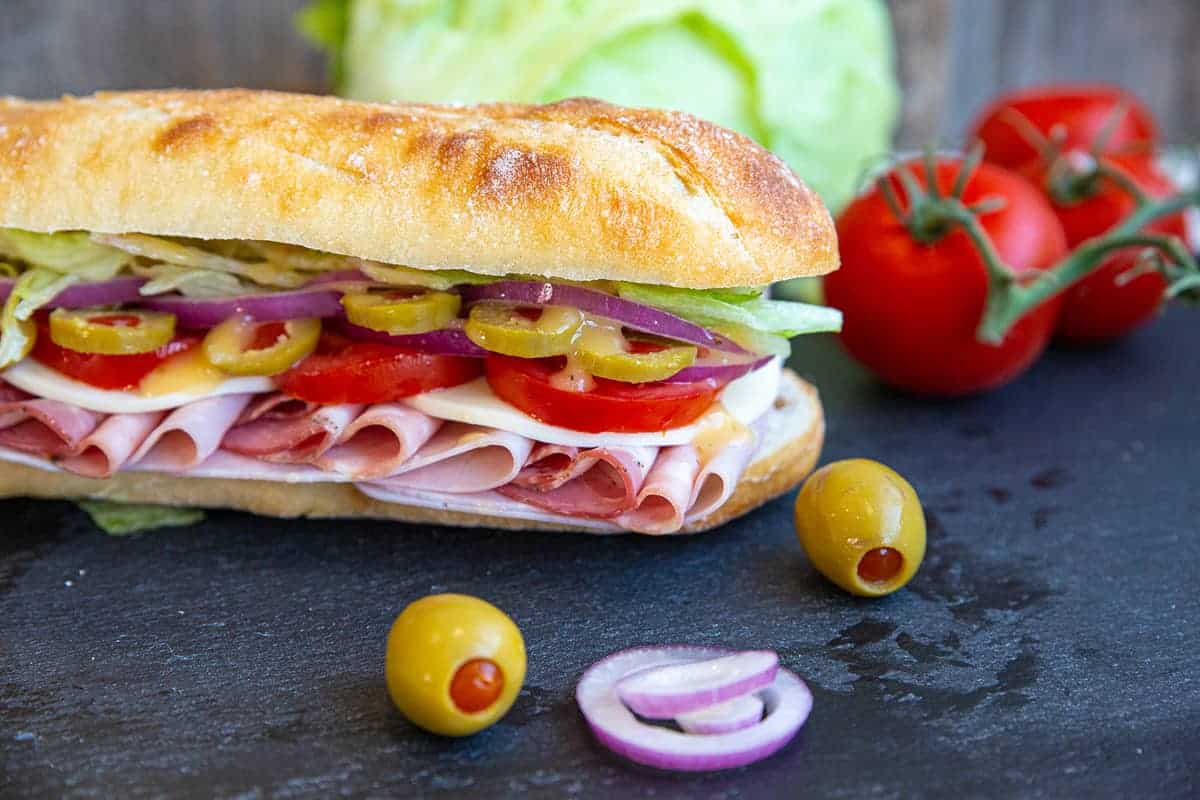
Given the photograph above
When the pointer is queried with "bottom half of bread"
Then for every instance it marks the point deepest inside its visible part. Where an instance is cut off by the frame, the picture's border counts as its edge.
(791, 443)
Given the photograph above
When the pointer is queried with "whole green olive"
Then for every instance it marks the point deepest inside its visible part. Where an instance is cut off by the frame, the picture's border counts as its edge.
(862, 526)
(454, 664)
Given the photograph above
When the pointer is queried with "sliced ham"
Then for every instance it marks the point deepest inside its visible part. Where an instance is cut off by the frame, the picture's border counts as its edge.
(109, 447)
(294, 440)
(190, 434)
(379, 442)
(11, 394)
(463, 459)
(276, 405)
(719, 478)
(601, 482)
(680, 489)
(45, 428)
(664, 498)
(550, 466)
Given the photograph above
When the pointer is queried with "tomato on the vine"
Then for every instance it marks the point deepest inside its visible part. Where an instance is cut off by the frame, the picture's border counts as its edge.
(1076, 116)
(912, 308)
(1117, 297)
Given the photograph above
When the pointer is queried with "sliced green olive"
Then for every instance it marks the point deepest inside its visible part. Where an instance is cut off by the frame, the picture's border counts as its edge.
(111, 333)
(604, 352)
(504, 328)
(239, 346)
(862, 526)
(400, 314)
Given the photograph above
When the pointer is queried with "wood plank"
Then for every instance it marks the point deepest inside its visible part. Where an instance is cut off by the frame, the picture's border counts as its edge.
(922, 58)
(1152, 47)
(51, 47)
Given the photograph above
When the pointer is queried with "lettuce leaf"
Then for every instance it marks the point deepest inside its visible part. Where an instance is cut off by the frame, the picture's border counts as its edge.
(437, 279)
(122, 519)
(32, 290)
(185, 255)
(326, 23)
(776, 317)
(191, 282)
(71, 252)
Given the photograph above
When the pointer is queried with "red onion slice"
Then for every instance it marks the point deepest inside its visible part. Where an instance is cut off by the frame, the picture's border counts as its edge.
(724, 371)
(115, 292)
(732, 715)
(450, 341)
(787, 701)
(208, 312)
(666, 692)
(630, 314)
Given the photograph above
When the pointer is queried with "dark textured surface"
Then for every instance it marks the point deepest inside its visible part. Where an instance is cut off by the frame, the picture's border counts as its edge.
(1046, 648)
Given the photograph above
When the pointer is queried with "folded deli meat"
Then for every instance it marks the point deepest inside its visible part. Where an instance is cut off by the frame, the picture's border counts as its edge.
(520, 316)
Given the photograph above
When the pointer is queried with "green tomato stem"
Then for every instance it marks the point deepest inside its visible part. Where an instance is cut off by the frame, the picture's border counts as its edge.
(931, 214)
(1009, 300)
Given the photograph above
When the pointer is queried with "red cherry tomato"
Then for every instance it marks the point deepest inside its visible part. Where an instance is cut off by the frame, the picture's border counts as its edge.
(105, 372)
(612, 406)
(1110, 302)
(342, 370)
(1079, 112)
(912, 309)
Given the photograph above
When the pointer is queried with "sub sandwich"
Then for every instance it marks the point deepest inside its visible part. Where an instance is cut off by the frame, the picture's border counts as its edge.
(505, 315)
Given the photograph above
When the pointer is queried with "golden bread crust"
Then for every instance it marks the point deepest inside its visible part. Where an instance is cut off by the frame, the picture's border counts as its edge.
(801, 431)
(578, 189)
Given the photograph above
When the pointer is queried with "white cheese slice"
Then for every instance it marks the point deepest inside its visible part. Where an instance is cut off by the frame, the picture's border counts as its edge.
(32, 377)
(746, 399)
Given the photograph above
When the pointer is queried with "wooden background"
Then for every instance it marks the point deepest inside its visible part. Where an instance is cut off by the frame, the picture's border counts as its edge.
(953, 53)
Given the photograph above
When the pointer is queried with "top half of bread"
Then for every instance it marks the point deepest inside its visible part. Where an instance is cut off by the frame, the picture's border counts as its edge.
(578, 189)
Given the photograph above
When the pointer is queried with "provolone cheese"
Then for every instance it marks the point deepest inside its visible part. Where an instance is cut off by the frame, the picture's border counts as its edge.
(32, 377)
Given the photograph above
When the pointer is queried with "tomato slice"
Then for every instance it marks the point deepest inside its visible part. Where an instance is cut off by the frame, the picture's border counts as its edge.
(343, 370)
(101, 371)
(610, 407)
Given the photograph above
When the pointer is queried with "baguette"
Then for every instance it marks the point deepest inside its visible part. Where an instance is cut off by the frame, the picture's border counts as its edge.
(576, 190)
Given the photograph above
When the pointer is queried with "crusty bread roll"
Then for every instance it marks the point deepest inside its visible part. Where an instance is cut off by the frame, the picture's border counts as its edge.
(578, 189)
(795, 438)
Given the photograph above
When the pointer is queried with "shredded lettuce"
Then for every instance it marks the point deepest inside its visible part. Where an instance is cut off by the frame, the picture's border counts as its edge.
(122, 519)
(7, 270)
(708, 308)
(31, 291)
(190, 282)
(184, 255)
(299, 258)
(68, 253)
(438, 279)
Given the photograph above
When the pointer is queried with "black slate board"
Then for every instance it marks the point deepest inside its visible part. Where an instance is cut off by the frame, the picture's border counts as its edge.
(1047, 647)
